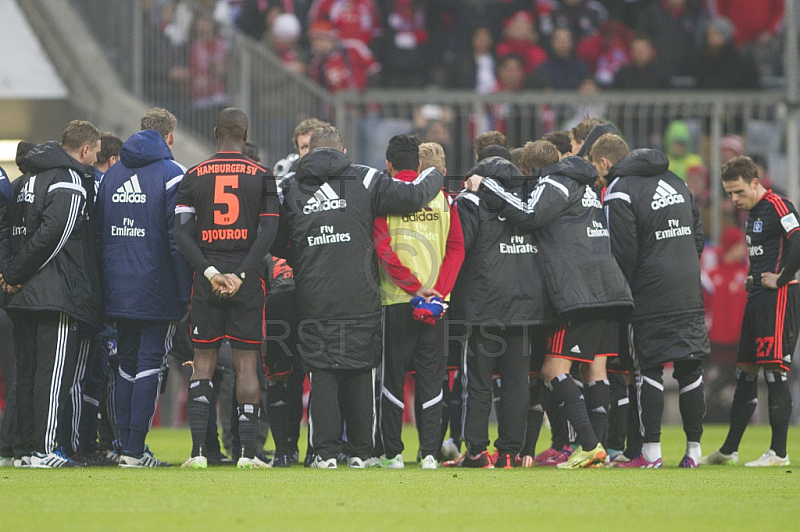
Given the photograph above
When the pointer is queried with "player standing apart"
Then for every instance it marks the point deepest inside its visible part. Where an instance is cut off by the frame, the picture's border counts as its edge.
(769, 327)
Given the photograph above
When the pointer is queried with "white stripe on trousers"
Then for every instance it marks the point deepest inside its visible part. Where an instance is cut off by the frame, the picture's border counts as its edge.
(111, 405)
(637, 368)
(167, 348)
(374, 408)
(383, 372)
(76, 391)
(310, 419)
(464, 382)
(55, 383)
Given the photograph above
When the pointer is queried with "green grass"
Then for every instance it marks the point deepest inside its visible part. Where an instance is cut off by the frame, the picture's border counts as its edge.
(220, 499)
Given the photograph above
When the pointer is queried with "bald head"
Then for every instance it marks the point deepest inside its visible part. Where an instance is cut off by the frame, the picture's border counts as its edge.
(231, 125)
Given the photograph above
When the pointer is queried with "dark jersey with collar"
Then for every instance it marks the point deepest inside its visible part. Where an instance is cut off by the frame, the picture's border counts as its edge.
(228, 193)
(769, 225)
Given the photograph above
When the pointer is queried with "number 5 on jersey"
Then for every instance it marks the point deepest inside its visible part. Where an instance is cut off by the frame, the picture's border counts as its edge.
(223, 197)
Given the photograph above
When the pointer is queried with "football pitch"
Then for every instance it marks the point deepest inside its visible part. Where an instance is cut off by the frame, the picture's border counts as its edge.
(223, 498)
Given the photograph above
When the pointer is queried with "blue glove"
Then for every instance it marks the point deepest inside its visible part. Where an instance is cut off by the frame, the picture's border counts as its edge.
(428, 311)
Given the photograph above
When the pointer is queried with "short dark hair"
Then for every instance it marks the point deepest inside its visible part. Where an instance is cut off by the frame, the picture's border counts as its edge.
(78, 134)
(560, 140)
(305, 127)
(494, 150)
(741, 166)
(489, 138)
(251, 150)
(159, 119)
(403, 152)
(232, 124)
(538, 154)
(110, 146)
(326, 137)
(584, 127)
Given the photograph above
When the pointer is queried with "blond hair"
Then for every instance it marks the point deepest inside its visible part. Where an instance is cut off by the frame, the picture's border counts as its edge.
(432, 154)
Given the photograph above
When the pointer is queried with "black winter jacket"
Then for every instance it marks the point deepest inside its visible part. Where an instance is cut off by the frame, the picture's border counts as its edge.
(53, 250)
(566, 217)
(656, 235)
(328, 210)
(500, 281)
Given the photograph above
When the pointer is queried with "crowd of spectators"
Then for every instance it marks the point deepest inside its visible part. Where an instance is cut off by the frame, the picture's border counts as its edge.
(485, 46)
(557, 44)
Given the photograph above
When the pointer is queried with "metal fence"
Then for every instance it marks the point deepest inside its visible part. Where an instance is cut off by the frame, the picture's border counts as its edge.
(369, 119)
(195, 67)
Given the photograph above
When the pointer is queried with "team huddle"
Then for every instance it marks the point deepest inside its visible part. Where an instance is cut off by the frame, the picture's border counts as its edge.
(560, 280)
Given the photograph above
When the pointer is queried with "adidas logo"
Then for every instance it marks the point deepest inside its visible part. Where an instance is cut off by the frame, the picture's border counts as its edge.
(590, 199)
(575, 349)
(202, 399)
(665, 195)
(26, 194)
(195, 331)
(324, 199)
(129, 192)
(242, 418)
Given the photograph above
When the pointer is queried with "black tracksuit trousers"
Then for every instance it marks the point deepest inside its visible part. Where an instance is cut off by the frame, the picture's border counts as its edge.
(338, 394)
(409, 344)
(507, 348)
(46, 344)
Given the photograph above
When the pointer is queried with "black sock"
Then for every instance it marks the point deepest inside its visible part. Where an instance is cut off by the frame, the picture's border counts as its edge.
(278, 414)
(692, 405)
(446, 393)
(248, 414)
(536, 408)
(780, 410)
(558, 422)
(598, 403)
(568, 396)
(212, 446)
(633, 444)
(745, 400)
(457, 410)
(618, 414)
(200, 397)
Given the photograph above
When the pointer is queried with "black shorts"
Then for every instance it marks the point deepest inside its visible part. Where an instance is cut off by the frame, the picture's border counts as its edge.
(769, 327)
(623, 362)
(239, 318)
(657, 341)
(584, 340)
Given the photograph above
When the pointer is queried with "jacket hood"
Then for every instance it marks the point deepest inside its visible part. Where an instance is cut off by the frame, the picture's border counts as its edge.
(643, 162)
(596, 132)
(22, 150)
(50, 155)
(574, 167)
(677, 131)
(143, 148)
(501, 170)
(323, 163)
